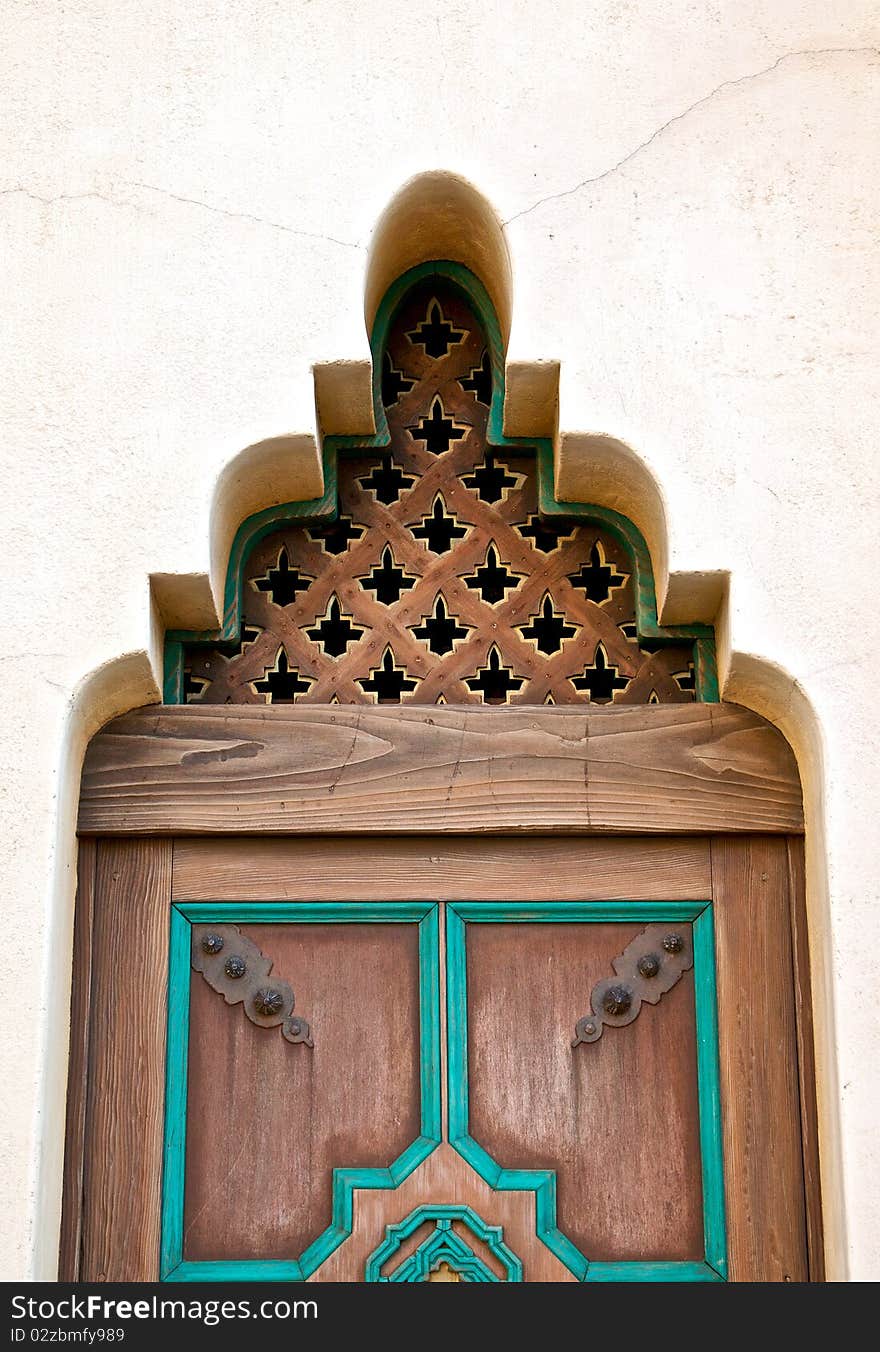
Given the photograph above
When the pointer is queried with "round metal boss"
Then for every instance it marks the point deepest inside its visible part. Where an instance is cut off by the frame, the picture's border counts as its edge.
(617, 1000)
(268, 1002)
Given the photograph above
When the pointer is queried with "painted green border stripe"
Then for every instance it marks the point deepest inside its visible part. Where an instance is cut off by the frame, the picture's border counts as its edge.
(177, 1055)
(325, 508)
(306, 912)
(708, 1096)
(560, 911)
(652, 1272)
(543, 1182)
(345, 1181)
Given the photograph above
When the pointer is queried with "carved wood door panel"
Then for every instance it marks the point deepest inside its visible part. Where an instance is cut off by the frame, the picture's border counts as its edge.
(504, 1059)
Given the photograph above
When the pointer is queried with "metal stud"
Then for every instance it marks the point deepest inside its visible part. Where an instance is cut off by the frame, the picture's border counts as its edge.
(617, 1000)
(673, 943)
(268, 1002)
(648, 965)
(212, 944)
(235, 968)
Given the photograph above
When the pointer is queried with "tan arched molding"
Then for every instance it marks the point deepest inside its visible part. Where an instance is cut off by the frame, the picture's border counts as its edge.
(439, 215)
(125, 683)
(765, 687)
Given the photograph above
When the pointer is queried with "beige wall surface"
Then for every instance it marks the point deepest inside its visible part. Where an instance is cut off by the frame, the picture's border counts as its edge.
(689, 197)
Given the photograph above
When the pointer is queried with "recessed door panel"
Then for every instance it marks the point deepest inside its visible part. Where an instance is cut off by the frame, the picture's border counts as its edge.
(617, 1119)
(269, 1119)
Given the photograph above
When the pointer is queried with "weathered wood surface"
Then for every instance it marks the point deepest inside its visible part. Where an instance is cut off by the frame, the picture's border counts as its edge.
(77, 1076)
(450, 868)
(126, 1090)
(618, 1119)
(806, 1059)
(760, 1098)
(307, 769)
(267, 1121)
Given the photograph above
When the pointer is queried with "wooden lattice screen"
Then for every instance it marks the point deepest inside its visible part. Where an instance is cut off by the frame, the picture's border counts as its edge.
(439, 582)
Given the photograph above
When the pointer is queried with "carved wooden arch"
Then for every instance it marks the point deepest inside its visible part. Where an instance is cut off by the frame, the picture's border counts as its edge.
(716, 777)
(438, 567)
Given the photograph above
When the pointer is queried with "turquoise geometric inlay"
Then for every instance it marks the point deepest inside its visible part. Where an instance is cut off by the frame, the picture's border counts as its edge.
(443, 1245)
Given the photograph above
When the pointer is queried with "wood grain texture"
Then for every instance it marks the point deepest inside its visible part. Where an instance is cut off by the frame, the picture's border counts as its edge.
(764, 1183)
(413, 868)
(77, 1073)
(806, 1060)
(617, 1119)
(306, 769)
(123, 1154)
(445, 1179)
(267, 1122)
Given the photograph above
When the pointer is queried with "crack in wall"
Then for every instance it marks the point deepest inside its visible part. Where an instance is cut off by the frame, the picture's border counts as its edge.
(20, 190)
(706, 98)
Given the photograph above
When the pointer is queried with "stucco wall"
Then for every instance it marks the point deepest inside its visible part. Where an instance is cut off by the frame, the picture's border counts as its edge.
(690, 197)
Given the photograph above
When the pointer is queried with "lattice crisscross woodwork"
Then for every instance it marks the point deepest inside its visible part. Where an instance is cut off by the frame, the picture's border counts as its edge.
(439, 582)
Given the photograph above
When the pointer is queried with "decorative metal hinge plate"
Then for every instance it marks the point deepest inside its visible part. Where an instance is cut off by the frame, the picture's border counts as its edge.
(646, 969)
(233, 966)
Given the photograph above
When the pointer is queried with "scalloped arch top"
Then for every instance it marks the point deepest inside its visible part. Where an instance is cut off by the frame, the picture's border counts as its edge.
(438, 567)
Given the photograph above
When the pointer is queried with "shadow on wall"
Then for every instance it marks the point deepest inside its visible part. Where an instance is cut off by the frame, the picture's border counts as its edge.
(438, 215)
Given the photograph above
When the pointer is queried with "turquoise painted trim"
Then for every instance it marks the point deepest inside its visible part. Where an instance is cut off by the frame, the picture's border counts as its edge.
(653, 1272)
(177, 1056)
(559, 911)
(345, 1181)
(325, 508)
(442, 1244)
(708, 1079)
(543, 1182)
(306, 912)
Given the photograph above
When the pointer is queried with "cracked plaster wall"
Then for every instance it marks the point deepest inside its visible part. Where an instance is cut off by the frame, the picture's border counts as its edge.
(187, 195)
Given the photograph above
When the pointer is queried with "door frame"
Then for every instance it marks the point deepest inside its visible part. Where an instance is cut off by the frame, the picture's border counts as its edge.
(717, 782)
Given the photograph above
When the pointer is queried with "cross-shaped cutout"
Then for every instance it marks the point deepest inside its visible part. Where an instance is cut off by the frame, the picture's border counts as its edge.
(439, 528)
(335, 538)
(686, 680)
(283, 583)
(598, 578)
(479, 382)
(436, 334)
(493, 580)
(387, 480)
(601, 680)
(547, 630)
(335, 631)
(492, 481)
(441, 630)
(546, 534)
(387, 579)
(193, 686)
(388, 681)
(437, 430)
(281, 683)
(394, 382)
(494, 680)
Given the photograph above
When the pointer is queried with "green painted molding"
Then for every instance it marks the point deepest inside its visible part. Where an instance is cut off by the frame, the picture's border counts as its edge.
(325, 508)
(173, 1266)
(442, 1245)
(542, 1182)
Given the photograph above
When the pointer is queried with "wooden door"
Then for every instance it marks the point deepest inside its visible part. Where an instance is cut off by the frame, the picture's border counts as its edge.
(395, 1058)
